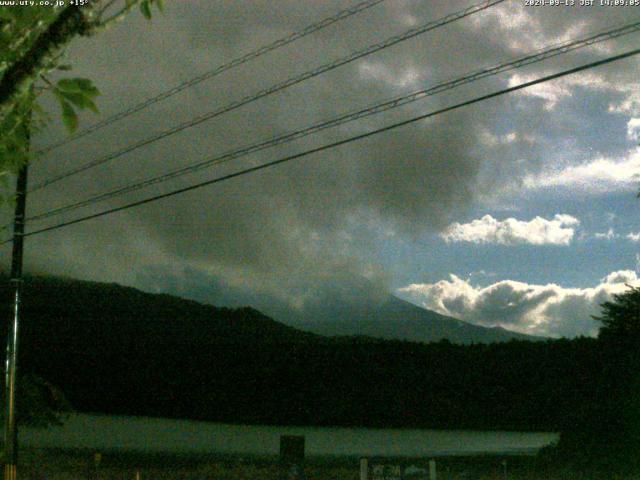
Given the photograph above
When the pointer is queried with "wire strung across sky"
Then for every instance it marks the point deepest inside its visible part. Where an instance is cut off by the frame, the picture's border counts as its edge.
(331, 145)
(538, 56)
(413, 32)
(314, 27)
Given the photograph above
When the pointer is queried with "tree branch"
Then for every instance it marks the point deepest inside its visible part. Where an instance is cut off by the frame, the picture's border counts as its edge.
(104, 9)
(71, 22)
(119, 15)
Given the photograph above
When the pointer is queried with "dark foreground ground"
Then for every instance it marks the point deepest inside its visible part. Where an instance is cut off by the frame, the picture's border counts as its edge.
(79, 465)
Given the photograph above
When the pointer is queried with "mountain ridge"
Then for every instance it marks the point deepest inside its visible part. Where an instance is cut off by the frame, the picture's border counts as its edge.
(397, 319)
(121, 351)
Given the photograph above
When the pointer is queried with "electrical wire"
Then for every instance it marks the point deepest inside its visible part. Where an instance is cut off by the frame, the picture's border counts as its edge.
(413, 32)
(331, 145)
(540, 55)
(341, 15)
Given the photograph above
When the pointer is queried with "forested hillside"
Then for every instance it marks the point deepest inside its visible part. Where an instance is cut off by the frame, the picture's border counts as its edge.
(118, 350)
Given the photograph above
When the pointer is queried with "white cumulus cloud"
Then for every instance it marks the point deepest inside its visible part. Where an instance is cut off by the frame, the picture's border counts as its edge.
(608, 235)
(633, 128)
(539, 231)
(548, 310)
(598, 175)
(634, 237)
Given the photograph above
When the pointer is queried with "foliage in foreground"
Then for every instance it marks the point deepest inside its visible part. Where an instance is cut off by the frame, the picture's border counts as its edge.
(32, 43)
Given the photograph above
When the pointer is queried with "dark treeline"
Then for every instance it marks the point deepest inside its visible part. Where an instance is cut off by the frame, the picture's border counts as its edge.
(511, 386)
(605, 435)
(117, 350)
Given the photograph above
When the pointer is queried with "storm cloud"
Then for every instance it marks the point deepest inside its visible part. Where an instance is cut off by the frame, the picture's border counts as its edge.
(297, 231)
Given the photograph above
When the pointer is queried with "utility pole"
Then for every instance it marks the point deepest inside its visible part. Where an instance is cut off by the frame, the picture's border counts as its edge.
(11, 363)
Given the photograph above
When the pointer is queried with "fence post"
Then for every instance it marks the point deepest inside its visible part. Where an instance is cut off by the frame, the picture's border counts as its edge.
(364, 468)
(432, 470)
(292, 457)
(93, 465)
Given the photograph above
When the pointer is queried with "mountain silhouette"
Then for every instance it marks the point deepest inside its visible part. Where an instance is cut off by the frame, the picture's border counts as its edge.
(396, 319)
(118, 350)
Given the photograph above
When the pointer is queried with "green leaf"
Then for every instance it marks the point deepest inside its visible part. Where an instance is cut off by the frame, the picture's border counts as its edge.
(79, 100)
(69, 116)
(38, 110)
(85, 84)
(9, 122)
(6, 14)
(91, 105)
(69, 85)
(145, 8)
(78, 85)
(160, 5)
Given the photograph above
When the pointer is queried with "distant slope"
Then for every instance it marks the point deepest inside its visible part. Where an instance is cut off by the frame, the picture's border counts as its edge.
(396, 319)
(94, 313)
(118, 350)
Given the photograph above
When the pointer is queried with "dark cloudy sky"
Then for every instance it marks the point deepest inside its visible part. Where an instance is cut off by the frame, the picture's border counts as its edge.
(519, 211)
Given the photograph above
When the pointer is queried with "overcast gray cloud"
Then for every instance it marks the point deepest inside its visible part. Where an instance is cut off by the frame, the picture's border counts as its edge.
(297, 231)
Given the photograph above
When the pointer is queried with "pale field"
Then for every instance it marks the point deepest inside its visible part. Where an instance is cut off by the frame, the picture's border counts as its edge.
(59, 465)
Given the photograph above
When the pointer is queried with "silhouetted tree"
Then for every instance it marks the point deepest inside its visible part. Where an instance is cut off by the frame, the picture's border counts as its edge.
(605, 434)
(619, 340)
(40, 403)
(620, 321)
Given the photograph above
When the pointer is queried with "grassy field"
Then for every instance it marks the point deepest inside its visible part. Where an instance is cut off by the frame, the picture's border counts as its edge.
(79, 465)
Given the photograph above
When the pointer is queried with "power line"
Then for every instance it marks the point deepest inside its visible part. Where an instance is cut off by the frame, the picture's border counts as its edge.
(539, 56)
(332, 145)
(341, 15)
(276, 88)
